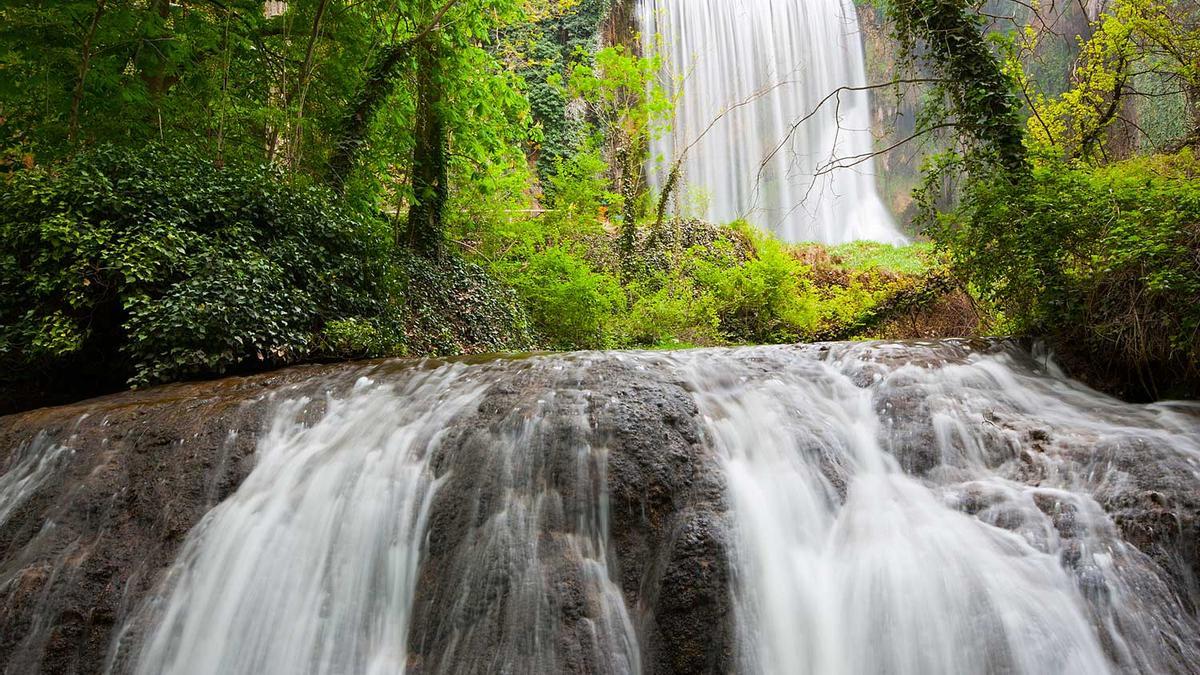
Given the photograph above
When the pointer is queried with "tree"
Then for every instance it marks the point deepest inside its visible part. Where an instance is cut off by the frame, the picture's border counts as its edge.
(629, 108)
(1146, 49)
(980, 95)
(429, 179)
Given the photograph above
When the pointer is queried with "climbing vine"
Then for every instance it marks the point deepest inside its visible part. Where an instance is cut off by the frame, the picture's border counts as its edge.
(980, 97)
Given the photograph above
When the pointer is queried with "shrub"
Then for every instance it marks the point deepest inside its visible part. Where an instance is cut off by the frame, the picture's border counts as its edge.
(766, 298)
(571, 305)
(670, 310)
(450, 306)
(157, 265)
(1105, 261)
(578, 192)
(357, 337)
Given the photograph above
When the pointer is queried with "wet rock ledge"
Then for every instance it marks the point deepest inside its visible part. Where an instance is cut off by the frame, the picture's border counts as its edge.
(97, 498)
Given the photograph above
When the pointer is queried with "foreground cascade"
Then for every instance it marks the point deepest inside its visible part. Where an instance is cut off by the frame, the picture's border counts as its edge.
(772, 119)
(913, 508)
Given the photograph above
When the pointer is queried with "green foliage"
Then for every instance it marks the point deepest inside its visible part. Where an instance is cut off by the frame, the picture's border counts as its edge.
(239, 85)
(75, 71)
(569, 303)
(155, 266)
(1100, 258)
(914, 259)
(670, 310)
(980, 96)
(357, 337)
(161, 261)
(623, 90)
(546, 50)
(578, 192)
(766, 298)
(1076, 119)
(1137, 51)
(713, 285)
(628, 108)
(452, 306)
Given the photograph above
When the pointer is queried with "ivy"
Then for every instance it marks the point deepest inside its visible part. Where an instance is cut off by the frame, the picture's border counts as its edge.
(982, 104)
(161, 266)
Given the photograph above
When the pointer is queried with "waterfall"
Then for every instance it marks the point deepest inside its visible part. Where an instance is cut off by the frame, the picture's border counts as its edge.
(29, 467)
(746, 73)
(909, 508)
(312, 566)
(874, 540)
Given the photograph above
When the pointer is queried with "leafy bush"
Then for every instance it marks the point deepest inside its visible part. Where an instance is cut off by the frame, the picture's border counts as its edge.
(358, 337)
(578, 193)
(1105, 261)
(161, 266)
(570, 303)
(129, 267)
(450, 306)
(700, 284)
(766, 298)
(670, 310)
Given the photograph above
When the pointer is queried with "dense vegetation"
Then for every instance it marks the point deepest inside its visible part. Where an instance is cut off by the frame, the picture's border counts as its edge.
(1105, 260)
(152, 266)
(193, 188)
(1074, 235)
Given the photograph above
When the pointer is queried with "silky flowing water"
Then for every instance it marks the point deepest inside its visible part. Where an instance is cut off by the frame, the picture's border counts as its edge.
(772, 122)
(890, 508)
(894, 517)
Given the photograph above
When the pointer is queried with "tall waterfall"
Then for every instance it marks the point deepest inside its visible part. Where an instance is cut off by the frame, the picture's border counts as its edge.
(767, 120)
(909, 508)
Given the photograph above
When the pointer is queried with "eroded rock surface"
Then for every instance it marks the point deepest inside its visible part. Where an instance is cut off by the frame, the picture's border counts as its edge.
(124, 478)
(97, 525)
(579, 515)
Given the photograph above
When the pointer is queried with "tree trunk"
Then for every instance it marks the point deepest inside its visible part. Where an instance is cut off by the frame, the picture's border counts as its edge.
(378, 86)
(985, 108)
(154, 72)
(304, 80)
(429, 180)
(85, 64)
(628, 191)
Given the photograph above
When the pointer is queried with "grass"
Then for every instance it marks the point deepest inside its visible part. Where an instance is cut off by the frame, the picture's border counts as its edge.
(869, 255)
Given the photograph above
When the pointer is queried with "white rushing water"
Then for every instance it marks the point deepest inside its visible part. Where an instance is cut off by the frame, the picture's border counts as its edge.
(746, 72)
(310, 566)
(893, 516)
(916, 509)
(29, 467)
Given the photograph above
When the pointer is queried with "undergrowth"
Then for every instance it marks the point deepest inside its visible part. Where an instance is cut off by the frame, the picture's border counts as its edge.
(1103, 261)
